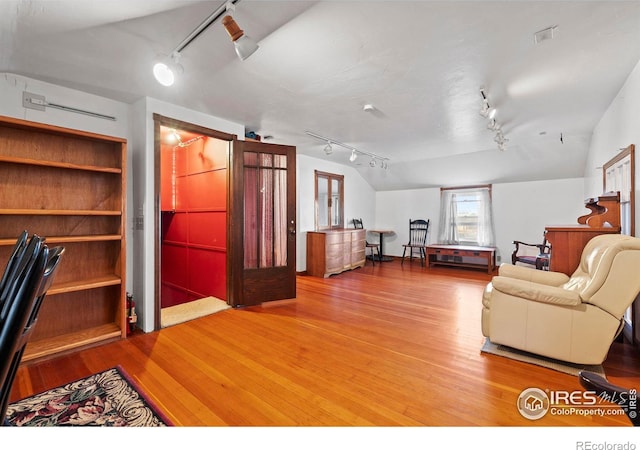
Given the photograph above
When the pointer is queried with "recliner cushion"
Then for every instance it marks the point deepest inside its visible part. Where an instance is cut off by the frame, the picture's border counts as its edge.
(536, 292)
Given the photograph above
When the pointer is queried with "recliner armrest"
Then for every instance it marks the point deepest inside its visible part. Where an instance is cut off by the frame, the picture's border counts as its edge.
(535, 276)
(536, 292)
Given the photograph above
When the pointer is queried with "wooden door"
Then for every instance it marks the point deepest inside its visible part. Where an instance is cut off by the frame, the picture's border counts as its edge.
(261, 237)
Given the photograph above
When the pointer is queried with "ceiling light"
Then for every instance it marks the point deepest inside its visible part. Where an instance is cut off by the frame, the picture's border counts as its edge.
(328, 149)
(484, 111)
(372, 163)
(500, 139)
(493, 125)
(244, 45)
(166, 70)
(353, 156)
(368, 108)
(173, 137)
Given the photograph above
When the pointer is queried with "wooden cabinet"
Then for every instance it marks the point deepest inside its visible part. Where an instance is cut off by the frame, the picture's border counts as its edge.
(69, 187)
(331, 252)
(567, 243)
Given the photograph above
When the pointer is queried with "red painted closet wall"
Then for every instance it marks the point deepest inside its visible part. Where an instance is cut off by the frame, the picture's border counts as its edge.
(194, 214)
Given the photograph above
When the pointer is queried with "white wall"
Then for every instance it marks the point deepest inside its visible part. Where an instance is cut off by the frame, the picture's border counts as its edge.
(521, 211)
(11, 89)
(618, 128)
(359, 200)
(395, 208)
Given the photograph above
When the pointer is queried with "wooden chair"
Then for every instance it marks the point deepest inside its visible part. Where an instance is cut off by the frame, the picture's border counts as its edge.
(540, 261)
(418, 230)
(357, 224)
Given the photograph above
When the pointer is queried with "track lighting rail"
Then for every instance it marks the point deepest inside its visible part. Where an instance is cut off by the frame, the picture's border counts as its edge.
(354, 151)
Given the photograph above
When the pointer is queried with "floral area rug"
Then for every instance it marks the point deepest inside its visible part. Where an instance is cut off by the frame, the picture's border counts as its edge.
(106, 399)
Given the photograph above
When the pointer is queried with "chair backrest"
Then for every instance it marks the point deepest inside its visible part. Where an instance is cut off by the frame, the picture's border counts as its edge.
(608, 273)
(13, 263)
(418, 229)
(357, 224)
(25, 292)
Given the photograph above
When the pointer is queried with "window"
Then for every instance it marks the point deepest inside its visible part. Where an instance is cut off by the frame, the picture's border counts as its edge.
(466, 216)
(329, 200)
(618, 176)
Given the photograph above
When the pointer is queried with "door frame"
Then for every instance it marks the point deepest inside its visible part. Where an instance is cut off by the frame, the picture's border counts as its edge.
(159, 121)
(630, 331)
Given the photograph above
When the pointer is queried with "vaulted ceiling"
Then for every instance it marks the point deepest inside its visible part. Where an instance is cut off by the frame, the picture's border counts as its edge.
(420, 64)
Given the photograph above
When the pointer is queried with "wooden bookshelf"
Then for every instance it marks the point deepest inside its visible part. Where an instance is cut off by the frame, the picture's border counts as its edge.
(68, 186)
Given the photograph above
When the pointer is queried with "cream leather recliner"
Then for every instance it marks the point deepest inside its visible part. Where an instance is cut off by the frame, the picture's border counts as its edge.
(573, 319)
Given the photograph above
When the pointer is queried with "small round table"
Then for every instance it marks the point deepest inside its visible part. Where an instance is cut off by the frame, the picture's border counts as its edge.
(381, 233)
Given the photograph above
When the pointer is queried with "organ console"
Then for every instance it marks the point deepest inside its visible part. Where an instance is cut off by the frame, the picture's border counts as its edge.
(604, 210)
(567, 242)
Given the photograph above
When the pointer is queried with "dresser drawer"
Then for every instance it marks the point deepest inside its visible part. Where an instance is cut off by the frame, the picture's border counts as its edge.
(336, 250)
(334, 238)
(334, 265)
(358, 258)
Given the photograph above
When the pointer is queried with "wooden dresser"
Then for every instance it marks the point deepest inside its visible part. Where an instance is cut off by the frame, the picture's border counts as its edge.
(334, 251)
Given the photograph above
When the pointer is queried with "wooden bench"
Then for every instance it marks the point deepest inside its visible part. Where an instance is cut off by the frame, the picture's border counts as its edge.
(458, 255)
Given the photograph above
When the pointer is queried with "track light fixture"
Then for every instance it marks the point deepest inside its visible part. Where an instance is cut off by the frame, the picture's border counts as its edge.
(493, 125)
(484, 111)
(488, 112)
(167, 67)
(328, 149)
(243, 44)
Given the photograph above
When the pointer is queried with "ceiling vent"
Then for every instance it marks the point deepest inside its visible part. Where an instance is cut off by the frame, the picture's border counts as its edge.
(544, 35)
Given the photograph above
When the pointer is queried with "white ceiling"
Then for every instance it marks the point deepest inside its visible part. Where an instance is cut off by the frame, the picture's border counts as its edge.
(420, 63)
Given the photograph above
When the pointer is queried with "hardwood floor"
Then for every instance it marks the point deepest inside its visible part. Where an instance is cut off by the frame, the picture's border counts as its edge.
(388, 345)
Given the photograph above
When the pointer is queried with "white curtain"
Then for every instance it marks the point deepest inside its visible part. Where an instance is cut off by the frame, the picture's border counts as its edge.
(448, 232)
(450, 220)
(486, 235)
